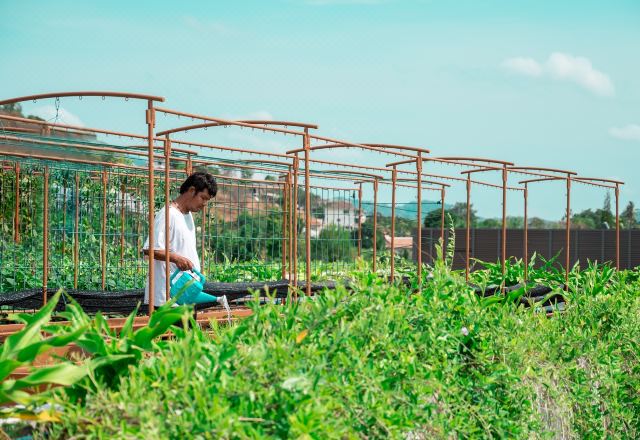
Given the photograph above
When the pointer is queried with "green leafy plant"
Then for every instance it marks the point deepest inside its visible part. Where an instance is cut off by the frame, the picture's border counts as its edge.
(23, 347)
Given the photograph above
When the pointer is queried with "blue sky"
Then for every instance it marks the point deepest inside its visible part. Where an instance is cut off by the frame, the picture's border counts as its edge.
(536, 82)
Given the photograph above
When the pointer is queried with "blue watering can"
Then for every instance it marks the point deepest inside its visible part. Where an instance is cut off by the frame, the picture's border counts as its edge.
(188, 286)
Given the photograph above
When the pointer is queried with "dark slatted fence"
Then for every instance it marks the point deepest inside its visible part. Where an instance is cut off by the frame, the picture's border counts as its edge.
(485, 244)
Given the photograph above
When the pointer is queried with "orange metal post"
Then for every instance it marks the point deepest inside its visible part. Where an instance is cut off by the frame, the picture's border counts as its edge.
(139, 227)
(568, 232)
(375, 222)
(122, 191)
(504, 221)
(167, 216)
(442, 192)
(394, 178)
(617, 192)
(203, 237)
(285, 201)
(291, 226)
(64, 216)
(296, 168)
(76, 241)
(468, 239)
(526, 231)
(419, 215)
(103, 249)
(45, 236)
(360, 219)
(16, 218)
(307, 197)
(151, 122)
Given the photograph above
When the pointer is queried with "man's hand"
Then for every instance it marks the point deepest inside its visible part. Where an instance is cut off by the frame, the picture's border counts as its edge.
(182, 262)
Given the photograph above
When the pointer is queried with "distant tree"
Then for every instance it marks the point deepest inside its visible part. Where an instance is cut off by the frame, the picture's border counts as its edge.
(367, 235)
(459, 214)
(586, 219)
(515, 222)
(629, 216)
(433, 218)
(607, 220)
(270, 178)
(15, 109)
(607, 202)
(489, 223)
(403, 227)
(246, 173)
(207, 169)
(538, 223)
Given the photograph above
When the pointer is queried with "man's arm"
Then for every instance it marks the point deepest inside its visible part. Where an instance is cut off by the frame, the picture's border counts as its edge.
(180, 261)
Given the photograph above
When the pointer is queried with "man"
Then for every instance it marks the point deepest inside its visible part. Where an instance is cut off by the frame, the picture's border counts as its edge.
(195, 192)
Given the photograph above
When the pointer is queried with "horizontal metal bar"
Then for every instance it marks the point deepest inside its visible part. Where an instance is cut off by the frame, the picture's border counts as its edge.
(81, 94)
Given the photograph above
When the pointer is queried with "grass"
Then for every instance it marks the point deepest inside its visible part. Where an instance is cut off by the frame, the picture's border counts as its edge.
(379, 361)
(382, 362)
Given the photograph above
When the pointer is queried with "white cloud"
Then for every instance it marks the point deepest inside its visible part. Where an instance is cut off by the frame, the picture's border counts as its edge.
(564, 67)
(48, 113)
(524, 66)
(580, 70)
(630, 132)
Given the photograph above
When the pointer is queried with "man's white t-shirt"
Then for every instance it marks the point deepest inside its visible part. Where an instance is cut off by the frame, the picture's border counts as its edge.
(182, 241)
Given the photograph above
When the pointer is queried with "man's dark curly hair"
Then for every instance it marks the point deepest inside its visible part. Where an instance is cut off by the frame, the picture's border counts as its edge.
(200, 181)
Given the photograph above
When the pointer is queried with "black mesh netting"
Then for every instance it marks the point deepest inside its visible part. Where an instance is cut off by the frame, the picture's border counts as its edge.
(124, 302)
(538, 294)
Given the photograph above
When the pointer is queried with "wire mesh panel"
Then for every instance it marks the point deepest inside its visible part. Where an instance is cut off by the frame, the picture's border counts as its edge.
(241, 230)
(334, 224)
(21, 247)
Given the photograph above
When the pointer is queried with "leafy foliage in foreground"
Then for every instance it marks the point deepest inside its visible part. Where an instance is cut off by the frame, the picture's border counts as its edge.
(384, 362)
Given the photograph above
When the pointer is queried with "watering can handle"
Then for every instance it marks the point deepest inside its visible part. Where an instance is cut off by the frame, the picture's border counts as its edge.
(202, 277)
(195, 271)
(175, 273)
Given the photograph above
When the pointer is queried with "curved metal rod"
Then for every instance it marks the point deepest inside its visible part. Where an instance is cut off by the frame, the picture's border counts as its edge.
(404, 185)
(544, 179)
(217, 123)
(209, 118)
(271, 122)
(330, 176)
(475, 159)
(361, 173)
(400, 162)
(159, 147)
(531, 173)
(236, 150)
(597, 179)
(451, 161)
(599, 185)
(77, 128)
(427, 181)
(336, 142)
(83, 148)
(81, 94)
(553, 170)
(399, 147)
(267, 161)
(232, 165)
(480, 170)
(349, 145)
